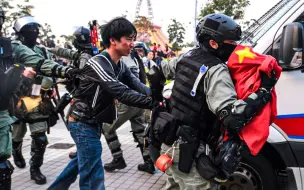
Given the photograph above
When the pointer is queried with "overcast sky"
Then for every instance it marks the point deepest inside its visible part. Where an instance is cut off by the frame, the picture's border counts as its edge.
(63, 15)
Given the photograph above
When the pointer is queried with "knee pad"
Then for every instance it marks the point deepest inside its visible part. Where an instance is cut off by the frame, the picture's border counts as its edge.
(228, 158)
(137, 138)
(40, 140)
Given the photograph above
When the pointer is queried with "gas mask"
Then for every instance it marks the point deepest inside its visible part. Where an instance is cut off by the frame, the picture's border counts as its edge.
(223, 52)
(30, 38)
(29, 34)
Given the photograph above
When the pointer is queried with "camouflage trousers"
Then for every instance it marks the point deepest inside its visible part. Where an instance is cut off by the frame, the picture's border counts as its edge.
(136, 116)
(19, 130)
(177, 180)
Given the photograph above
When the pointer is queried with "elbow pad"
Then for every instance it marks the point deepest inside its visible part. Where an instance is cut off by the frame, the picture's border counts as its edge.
(231, 121)
(255, 103)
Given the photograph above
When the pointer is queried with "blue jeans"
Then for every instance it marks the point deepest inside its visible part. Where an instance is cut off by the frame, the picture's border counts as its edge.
(87, 163)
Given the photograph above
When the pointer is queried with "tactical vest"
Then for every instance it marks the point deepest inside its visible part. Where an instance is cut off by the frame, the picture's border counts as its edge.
(76, 62)
(10, 74)
(187, 109)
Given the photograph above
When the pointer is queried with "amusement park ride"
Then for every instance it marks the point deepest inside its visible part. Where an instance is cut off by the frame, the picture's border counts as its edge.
(153, 34)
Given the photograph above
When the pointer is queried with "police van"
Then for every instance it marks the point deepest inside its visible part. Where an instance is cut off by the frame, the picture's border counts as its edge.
(280, 163)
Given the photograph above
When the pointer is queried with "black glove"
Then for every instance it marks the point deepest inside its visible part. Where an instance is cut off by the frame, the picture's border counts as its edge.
(268, 82)
(71, 73)
(227, 158)
(234, 123)
(157, 80)
(156, 104)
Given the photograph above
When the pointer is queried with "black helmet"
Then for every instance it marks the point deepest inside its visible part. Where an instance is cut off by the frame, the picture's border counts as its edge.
(220, 27)
(82, 38)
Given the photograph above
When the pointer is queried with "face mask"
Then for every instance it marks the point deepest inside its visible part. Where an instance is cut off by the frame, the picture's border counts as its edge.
(224, 51)
(30, 38)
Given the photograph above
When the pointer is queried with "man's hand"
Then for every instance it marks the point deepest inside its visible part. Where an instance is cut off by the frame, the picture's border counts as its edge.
(71, 73)
(29, 72)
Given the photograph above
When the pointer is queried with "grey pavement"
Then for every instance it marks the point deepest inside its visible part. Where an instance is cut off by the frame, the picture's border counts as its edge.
(57, 159)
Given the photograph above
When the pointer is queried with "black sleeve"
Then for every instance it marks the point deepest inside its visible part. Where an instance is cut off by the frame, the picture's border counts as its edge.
(133, 82)
(118, 90)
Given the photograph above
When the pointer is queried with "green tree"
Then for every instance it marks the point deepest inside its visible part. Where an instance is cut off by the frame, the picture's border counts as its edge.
(176, 33)
(189, 44)
(234, 8)
(144, 29)
(13, 12)
(143, 23)
(67, 38)
(45, 32)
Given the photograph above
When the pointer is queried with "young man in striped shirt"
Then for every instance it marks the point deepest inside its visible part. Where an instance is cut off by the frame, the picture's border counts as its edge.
(102, 80)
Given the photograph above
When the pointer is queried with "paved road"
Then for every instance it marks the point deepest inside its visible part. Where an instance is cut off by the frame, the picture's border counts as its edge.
(56, 159)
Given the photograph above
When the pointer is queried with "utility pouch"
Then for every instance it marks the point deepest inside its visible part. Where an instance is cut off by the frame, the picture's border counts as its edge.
(205, 167)
(187, 152)
(164, 128)
(188, 147)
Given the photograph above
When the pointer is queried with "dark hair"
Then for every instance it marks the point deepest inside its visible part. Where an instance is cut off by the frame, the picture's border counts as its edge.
(116, 29)
(172, 54)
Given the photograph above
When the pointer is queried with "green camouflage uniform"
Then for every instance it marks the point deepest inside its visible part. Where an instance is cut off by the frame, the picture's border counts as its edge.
(79, 58)
(19, 130)
(6, 134)
(22, 54)
(26, 56)
(34, 58)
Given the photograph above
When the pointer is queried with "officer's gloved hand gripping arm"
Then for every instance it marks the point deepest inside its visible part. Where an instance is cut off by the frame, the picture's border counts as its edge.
(222, 99)
(24, 55)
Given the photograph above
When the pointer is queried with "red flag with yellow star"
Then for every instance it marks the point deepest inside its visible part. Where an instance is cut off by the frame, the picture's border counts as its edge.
(245, 66)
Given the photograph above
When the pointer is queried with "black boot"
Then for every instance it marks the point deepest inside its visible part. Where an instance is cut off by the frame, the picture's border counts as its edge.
(117, 163)
(36, 175)
(39, 142)
(6, 170)
(148, 167)
(17, 154)
(72, 155)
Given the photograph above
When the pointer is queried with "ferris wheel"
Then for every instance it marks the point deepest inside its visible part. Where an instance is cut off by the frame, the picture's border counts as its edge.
(150, 10)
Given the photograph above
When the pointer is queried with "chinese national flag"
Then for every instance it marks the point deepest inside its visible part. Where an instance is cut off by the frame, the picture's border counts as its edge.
(245, 66)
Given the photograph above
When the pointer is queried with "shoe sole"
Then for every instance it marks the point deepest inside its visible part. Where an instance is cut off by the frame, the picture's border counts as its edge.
(39, 182)
(146, 171)
(118, 168)
(21, 167)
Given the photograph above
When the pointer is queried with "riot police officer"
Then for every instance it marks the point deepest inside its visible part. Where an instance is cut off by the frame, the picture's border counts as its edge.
(82, 42)
(27, 53)
(203, 95)
(10, 78)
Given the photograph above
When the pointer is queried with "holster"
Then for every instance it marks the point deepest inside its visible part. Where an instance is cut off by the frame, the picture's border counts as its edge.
(219, 165)
(205, 165)
(188, 147)
(164, 128)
